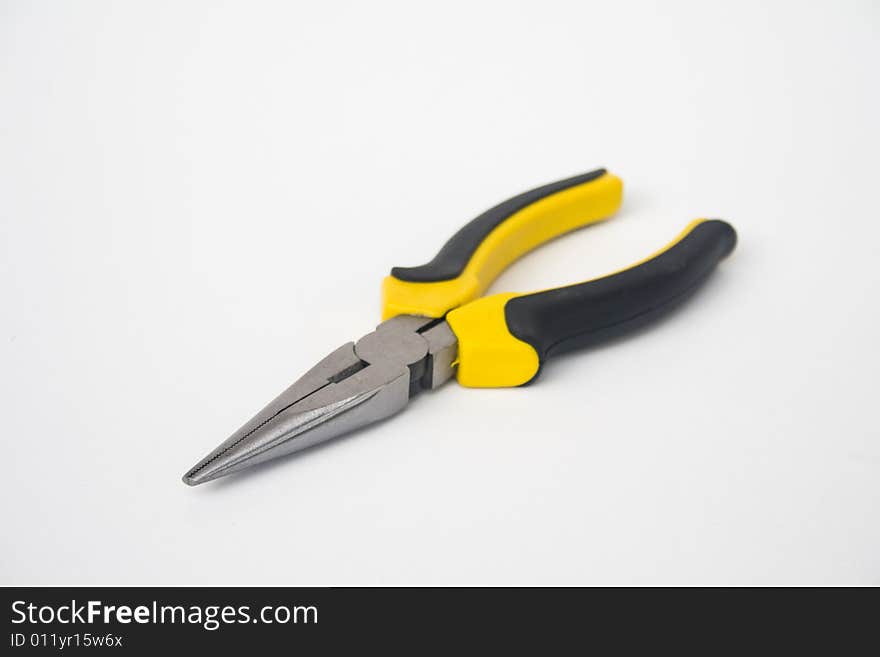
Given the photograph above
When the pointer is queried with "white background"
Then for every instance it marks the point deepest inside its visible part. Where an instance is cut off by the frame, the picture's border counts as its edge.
(199, 200)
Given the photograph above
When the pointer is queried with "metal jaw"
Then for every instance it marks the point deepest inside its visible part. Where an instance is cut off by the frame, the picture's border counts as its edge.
(355, 385)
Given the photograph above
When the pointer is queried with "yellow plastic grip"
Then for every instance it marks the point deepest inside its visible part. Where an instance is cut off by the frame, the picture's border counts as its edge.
(489, 356)
(521, 232)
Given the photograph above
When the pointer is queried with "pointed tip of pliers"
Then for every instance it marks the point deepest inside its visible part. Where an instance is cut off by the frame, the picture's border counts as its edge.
(193, 479)
(205, 470)
(340, 394)
(201, 473)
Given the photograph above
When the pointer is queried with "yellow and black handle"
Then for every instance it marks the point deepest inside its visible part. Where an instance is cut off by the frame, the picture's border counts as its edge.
(504, 338)
(469, 262)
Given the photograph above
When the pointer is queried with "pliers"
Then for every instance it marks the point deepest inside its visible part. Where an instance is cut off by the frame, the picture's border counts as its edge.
(435, 325)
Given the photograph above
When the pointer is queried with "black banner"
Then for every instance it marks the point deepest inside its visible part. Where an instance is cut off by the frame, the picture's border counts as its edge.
(417, 620)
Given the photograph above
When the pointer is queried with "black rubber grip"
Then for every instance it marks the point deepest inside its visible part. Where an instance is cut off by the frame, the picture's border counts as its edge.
(570, 317)
(451, 260)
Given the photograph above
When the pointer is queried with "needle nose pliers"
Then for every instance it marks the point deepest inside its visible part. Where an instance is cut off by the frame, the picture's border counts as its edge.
(435, 325)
